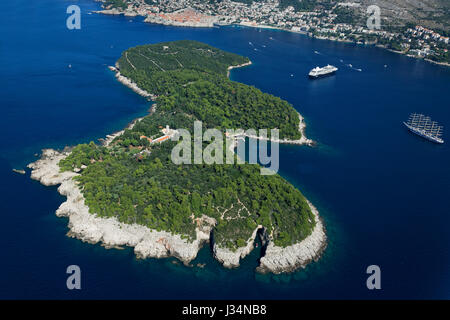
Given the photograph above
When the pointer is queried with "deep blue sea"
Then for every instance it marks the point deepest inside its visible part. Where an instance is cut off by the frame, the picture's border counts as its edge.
(383, 192)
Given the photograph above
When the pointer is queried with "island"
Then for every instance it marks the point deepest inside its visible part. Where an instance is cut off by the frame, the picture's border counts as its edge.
(127, 191)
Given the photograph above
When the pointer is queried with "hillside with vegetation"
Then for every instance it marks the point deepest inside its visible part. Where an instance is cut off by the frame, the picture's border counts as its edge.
(192, 77)
(137, 182)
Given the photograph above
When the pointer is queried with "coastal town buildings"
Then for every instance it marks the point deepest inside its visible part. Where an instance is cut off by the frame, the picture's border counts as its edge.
(327, 19)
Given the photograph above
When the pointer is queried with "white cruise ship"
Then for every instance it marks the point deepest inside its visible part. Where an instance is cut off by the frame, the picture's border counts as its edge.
(318, 72)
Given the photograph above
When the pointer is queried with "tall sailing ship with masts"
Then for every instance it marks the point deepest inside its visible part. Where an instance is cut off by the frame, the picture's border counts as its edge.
(426, 128)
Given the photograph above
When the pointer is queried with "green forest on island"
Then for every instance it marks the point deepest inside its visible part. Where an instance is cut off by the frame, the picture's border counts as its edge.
(138, 182)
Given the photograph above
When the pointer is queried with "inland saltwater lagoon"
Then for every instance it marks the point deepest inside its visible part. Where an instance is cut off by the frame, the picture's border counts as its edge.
(383, 192)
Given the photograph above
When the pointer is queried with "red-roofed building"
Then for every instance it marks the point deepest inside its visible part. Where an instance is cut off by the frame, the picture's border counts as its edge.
(161, 139)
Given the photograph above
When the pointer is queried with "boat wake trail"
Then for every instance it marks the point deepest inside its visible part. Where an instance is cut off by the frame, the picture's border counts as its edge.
(352, 67)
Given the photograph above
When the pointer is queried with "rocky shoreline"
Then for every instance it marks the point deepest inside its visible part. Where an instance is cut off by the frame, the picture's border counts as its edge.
(281, 260)
(302, 141)
(110, 232)
(301, 126)
(276, 259)
(110, 137)
(230, 259)
(149, 243)
(132, 85)
(238, 66)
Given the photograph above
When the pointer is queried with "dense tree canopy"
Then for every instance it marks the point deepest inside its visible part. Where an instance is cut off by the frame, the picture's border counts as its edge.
(191, 77)
(137, 182)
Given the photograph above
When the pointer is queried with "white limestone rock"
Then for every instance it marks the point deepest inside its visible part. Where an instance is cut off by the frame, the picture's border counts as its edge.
(279, 260)
(147, 243)
(110, 232)
(231, 259)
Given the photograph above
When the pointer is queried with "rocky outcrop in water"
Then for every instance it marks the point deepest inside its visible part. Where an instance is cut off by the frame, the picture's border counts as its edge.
(229, 258)
(279, 260)
(130, 84)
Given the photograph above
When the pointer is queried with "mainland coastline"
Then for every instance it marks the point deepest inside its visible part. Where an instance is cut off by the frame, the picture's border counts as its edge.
(148, 243)
(212, 21)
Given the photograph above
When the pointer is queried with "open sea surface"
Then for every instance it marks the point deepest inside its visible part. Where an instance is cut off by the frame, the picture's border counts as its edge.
(383, 192)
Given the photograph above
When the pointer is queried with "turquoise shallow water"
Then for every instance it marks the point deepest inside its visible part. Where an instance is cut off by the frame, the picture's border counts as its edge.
(382, 192)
